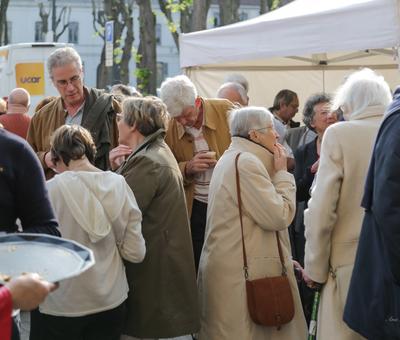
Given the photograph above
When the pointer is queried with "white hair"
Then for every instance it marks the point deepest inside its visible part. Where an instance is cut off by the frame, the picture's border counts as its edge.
(234, 87)
(237, 78)
(362, 89)
(63, 56)
(178, 93)
(248, 118)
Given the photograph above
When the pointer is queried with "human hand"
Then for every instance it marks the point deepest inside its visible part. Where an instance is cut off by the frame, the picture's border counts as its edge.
(314, 167)
(309, 282)
(298, 270)
(118, 154)
(280, 161)
(201, 162)
(29, 290)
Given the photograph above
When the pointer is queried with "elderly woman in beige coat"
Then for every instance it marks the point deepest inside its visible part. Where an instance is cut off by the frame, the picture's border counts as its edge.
(334, 216)
(268, 203)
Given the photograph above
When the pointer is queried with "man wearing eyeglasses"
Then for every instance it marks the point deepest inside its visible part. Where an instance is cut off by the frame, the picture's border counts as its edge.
(198, 135)
(91, 108)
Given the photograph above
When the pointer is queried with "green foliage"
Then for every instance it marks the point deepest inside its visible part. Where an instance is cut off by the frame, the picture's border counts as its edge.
(172, 26)
(137, 57)
(178, 5)
(142, 77)
(274, 4)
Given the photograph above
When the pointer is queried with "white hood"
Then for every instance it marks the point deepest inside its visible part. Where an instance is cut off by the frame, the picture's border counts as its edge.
(85, 194)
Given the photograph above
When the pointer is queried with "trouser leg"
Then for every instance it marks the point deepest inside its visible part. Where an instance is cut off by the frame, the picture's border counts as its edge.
(198, 226)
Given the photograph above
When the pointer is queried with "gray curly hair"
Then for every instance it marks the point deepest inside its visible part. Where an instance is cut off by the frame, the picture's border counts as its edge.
(308, 112)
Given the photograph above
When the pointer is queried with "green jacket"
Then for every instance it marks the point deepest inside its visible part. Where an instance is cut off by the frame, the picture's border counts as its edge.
(162, 300)
(98, 117)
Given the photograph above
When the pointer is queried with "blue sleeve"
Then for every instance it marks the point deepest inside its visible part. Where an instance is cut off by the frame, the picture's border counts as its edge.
(34, 207)
(386, 201)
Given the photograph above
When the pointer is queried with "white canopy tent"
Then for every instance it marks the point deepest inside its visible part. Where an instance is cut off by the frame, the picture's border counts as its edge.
(307, 46)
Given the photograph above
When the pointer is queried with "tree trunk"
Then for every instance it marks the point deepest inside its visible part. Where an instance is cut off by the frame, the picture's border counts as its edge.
(199, 15)
(120, 11)
(228, 11)
(263, 6)
(123, 66)
(146, 67)
(171, 25)
(104, 74)
(3, 22)
(44, 16)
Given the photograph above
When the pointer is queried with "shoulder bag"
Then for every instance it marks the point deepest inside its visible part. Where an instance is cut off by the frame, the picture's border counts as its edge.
(269, 299)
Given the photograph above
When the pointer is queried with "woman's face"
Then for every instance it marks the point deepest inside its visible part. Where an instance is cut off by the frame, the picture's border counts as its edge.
(322, 118)
(266, 136)
(124, 130)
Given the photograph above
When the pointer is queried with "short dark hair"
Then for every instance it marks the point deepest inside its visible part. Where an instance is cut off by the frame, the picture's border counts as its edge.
(308, 111)
(72, 142)
(284, 96)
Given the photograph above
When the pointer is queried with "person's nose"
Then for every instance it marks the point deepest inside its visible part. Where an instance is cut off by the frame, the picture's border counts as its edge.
(70, 86)
(331, 117)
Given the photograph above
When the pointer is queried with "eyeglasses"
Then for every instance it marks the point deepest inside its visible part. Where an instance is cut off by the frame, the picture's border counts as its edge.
(74, 81)
(264, 128)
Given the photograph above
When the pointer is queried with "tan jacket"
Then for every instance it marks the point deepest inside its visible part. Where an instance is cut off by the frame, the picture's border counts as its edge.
(98, 117)
(269, 199)
(216, 133)
(334, 216)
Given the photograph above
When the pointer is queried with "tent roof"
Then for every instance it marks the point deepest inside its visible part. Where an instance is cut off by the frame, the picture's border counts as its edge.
(301, 28)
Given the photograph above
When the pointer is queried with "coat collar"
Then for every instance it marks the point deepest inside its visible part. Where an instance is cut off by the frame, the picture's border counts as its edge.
(370, 111)
(159, 134)
(209, 120)
(245, 145)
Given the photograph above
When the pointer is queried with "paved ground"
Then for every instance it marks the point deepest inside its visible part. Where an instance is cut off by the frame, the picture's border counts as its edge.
(25, 324)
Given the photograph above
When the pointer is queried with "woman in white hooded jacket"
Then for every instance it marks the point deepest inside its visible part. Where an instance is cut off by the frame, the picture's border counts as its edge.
(98, 210)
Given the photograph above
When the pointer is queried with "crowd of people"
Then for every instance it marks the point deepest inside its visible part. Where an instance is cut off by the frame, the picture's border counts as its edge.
(150, 186)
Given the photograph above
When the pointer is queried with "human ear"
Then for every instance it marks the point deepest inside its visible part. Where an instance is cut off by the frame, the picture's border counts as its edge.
(133, 128)
(253, 135)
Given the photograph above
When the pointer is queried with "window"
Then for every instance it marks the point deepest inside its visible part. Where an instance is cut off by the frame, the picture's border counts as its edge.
(39, 31)
(162, 72)
(243, 16)
(73, 32)
(158, 34)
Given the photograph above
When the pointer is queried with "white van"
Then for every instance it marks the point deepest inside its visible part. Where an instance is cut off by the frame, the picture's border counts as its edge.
(24, 65)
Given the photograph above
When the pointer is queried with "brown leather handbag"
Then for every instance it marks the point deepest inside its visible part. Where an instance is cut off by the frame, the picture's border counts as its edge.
(269, 299)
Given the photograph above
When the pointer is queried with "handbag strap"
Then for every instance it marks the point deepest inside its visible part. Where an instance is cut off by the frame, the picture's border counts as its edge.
(239, 198)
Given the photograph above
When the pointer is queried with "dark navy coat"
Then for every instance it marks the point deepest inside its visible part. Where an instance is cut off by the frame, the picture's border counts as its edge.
(373, 301)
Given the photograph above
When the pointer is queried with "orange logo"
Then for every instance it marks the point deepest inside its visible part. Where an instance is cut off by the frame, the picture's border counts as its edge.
(30, 76)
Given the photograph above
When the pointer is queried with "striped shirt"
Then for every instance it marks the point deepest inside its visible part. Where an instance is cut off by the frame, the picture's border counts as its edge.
(201, 180)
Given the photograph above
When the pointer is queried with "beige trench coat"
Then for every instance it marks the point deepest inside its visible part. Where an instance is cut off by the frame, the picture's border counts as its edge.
(334, 216)
(268, 205)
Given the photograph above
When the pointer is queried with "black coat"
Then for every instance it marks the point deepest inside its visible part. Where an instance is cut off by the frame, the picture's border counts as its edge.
(373, 301)
(305, 157)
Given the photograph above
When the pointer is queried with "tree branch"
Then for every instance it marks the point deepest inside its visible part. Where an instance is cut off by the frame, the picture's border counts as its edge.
(95, 13)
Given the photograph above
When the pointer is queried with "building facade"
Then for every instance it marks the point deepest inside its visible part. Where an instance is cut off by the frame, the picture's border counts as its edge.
(26, 25)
